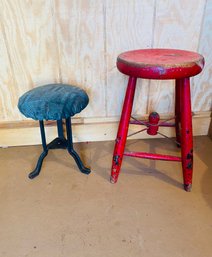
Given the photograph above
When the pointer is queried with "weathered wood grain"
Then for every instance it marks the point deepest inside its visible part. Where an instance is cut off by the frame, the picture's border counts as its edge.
(80, 34)
(177, 25)
(6, 78)
(77, 42)
(129, 25)
(202, 86)
(29, 38)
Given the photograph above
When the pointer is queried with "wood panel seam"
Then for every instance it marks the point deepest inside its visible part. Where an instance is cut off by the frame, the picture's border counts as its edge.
(56, 40)
(152, 45)
(105, 53)
(201, 26)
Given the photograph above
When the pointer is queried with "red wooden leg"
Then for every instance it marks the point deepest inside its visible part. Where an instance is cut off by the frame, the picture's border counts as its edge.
(122, 130)
(178, 85)
(186, 134)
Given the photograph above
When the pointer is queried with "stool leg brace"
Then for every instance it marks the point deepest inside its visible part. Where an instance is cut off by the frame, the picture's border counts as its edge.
(59, 142)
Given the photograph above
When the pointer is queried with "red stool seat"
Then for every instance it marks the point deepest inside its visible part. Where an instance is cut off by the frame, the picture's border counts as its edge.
(160, 63)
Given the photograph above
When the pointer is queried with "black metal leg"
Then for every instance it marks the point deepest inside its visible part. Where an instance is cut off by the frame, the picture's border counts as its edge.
(59, 142)
(36, 171)
(71, 150)
(69, 133)
(60, 129)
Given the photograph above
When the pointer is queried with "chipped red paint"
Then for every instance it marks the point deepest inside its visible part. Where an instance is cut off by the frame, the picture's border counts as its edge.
(186, 134)
(123, 130)
(159, 64)
(152, 156)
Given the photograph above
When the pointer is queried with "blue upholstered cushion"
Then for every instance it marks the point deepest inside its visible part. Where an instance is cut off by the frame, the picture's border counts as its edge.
(53, 102)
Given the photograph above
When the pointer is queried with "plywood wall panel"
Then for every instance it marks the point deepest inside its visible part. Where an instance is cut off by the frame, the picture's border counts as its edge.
(28, 30)
(78, 41)
(6, 78)
(129, 25)
(202, 86)
(178, 25)
(80, 33)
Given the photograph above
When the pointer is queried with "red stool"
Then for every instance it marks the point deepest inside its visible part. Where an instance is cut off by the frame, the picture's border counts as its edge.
(159, 64)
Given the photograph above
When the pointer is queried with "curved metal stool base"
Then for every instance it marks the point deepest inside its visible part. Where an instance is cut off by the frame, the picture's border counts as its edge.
(36, 171)
(58, 143)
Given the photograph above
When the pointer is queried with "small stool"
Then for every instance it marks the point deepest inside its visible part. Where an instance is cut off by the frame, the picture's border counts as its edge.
(54, 102)
(159, 64)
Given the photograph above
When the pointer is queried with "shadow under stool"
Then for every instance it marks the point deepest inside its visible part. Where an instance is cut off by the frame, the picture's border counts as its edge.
(159, 64)
(55, 102)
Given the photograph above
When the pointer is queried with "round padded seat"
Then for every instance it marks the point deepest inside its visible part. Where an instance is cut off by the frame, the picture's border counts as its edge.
(160, 63)
(53, 102)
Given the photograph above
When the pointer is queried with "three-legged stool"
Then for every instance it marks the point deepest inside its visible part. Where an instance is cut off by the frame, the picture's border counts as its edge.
(159, 64)
(54, 102)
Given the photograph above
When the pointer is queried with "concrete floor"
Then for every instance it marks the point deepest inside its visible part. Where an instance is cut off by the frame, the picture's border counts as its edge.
(64, 213)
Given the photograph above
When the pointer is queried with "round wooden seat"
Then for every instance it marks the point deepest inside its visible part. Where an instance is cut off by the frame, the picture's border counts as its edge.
(160, 63)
